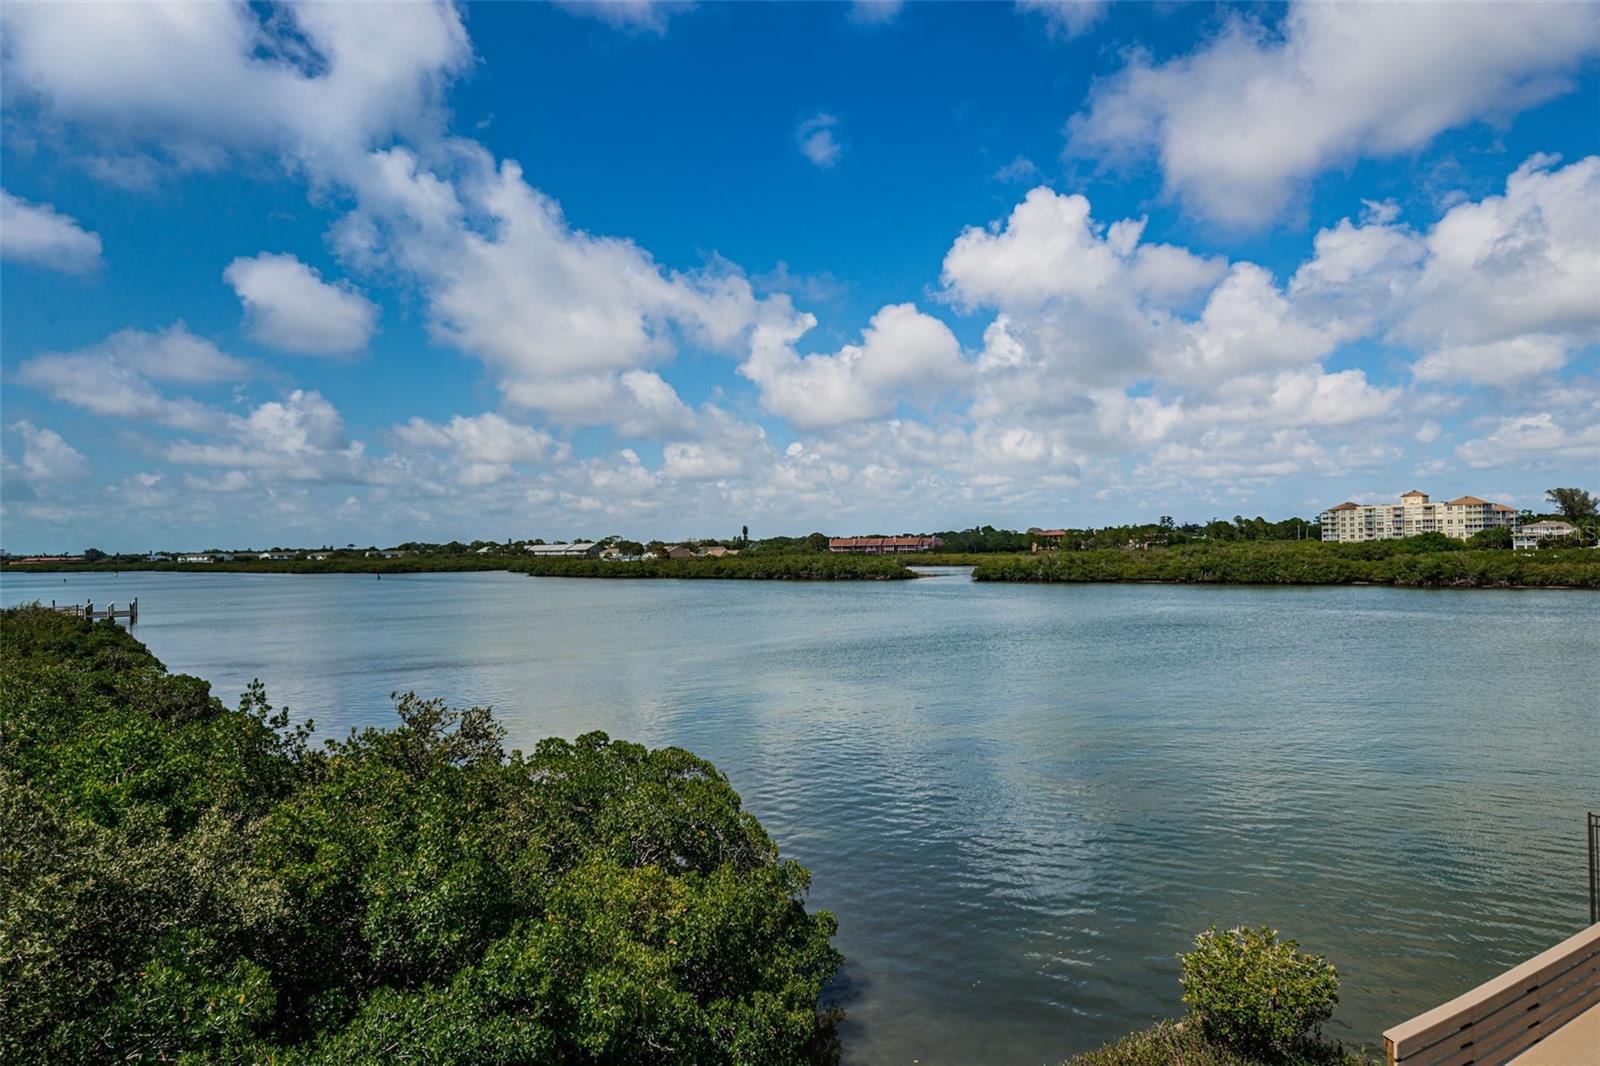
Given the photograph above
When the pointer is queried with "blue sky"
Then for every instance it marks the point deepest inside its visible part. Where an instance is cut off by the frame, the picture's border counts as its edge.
(305, 275)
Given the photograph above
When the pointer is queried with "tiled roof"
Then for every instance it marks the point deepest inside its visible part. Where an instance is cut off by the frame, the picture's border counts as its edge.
(1346, 506)
(876, 542)
(1413, 492)
(1468, 500)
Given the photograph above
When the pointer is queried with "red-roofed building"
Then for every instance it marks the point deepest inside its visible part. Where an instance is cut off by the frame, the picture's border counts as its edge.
(881, 545)
(1045, 540)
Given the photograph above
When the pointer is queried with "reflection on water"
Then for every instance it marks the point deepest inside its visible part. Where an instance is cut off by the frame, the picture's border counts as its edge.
(1021, 801)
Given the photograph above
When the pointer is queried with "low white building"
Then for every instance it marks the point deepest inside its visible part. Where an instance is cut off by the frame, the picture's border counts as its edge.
(196, 559)
(1413, 515)
(576, 550)
(1529, 536)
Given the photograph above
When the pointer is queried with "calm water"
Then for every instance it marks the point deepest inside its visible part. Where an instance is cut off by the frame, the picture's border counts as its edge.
(1021, 801)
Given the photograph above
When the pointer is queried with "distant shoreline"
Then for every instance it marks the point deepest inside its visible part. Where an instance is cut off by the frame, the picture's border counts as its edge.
(1258, 563)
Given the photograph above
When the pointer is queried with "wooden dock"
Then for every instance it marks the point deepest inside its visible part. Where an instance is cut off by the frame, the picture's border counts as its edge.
(91, 612)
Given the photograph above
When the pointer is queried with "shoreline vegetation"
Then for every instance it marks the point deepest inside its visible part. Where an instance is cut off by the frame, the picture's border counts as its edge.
(188, 882)
(1430, 561)
(1395, 562)
(808, 567)
(1181, 1043)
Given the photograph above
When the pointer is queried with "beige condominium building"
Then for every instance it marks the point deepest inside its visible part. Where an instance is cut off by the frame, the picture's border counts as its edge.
(1414, 514)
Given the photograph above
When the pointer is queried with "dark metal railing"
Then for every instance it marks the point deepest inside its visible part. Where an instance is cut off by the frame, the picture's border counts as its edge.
(1594, 868)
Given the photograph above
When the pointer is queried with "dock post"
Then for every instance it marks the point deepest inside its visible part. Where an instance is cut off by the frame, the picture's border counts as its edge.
(133, 612)
(88, 610)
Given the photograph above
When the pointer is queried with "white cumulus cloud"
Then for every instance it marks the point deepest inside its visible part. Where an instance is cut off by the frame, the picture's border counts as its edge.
(291, 308)
(1239, 124)
(903, 353)
(40, 235)
(1065, 18)
(485, 447)
(636, 16)
(818, 139)
(116, 376)
(320, 82)
(46, 456)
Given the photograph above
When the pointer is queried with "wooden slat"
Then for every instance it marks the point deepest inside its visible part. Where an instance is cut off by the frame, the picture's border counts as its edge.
(1575, 1002)
(1519, 1029)
(1477, 1026)
(1454, 1023)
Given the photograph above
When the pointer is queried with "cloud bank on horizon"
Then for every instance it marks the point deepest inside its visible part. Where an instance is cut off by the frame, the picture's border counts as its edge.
(317, 273)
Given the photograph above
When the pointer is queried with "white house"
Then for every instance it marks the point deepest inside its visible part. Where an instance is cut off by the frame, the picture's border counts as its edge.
(1529, 536)
(578, 549)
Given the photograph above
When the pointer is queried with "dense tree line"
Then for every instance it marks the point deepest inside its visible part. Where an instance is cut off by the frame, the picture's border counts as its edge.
(1431, 560)
(182, 880)
(755, 567)
(349, 563)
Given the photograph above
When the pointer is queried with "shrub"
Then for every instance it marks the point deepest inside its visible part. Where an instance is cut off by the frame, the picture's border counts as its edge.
(183, 882)
(1250, 991)
(1175, 1044)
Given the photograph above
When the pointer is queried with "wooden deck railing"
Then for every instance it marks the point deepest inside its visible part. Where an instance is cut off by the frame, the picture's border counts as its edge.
(1502, 1018)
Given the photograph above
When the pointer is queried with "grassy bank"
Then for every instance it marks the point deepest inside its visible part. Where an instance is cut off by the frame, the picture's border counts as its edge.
(956, 558)
(1304, 563)
(808, 567)
(411, 564)
(188, 882)
(1172, 1044)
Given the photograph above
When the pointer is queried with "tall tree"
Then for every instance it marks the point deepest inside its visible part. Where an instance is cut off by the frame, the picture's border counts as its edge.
(1574, 504)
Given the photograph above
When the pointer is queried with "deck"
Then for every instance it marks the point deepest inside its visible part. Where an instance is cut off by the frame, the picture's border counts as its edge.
(1575, 1044)
(1544, 1012)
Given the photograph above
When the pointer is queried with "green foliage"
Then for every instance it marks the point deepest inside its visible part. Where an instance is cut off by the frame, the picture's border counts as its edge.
(1177, 1044)
(1495, 537)
(1254, 993)
(983, 539)
(1397, 562)
(187, 881)
(754, 567)
(440, 561)
(811, 543)
(1574, 504)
